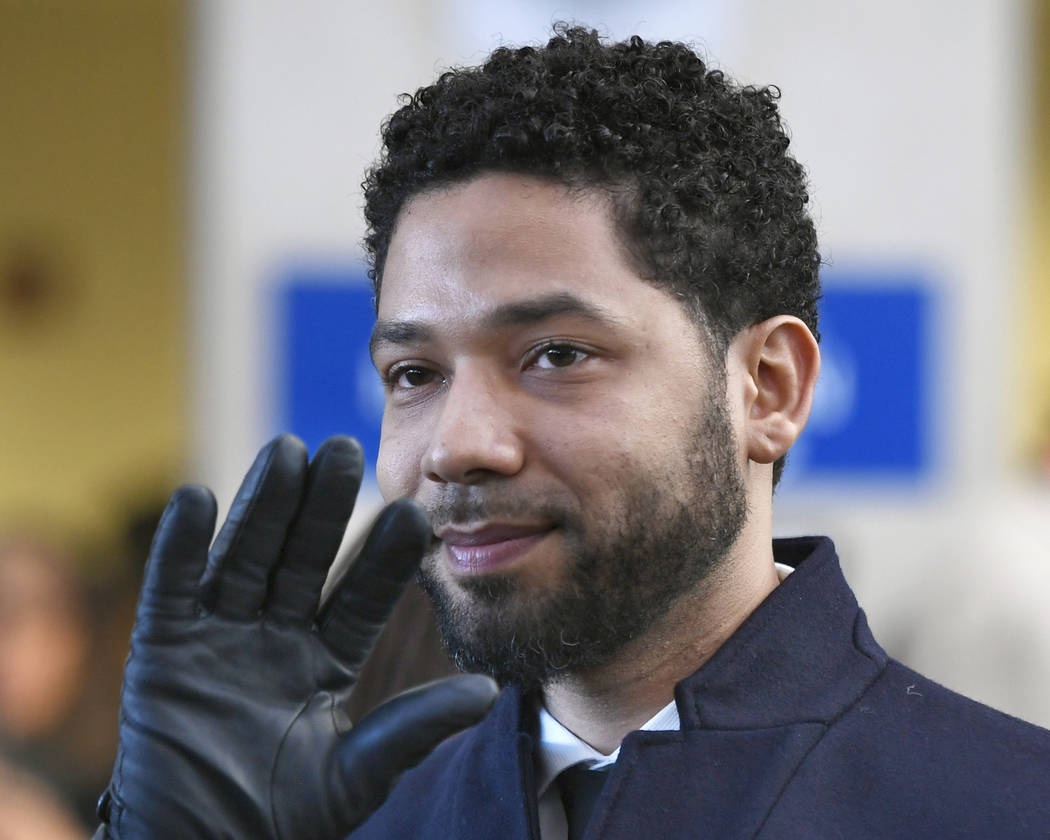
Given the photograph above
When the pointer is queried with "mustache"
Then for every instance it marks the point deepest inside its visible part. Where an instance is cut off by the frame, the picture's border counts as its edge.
(467, 506)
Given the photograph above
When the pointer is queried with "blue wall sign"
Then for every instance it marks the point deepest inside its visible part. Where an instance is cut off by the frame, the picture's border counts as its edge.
(327, 383)
(871, 413)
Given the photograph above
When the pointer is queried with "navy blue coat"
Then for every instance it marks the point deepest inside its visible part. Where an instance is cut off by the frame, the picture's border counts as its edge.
(799, 726)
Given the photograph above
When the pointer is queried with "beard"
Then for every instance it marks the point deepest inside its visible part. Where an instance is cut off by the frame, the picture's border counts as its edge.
(673, 525)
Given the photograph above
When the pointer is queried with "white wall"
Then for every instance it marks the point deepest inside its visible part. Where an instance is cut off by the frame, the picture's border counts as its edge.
(907, 114)
(289, 98)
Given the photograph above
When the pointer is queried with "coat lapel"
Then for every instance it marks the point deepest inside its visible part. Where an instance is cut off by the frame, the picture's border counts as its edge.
(491, 795)
(475, 786)
(701, 783)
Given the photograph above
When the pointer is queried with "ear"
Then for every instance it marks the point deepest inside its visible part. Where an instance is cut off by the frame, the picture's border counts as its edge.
(782, 360)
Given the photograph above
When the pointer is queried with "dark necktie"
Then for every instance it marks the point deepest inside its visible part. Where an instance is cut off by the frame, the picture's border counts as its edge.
(580, 789)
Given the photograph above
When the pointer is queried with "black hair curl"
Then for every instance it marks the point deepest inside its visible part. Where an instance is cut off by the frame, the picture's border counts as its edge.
(706, 198)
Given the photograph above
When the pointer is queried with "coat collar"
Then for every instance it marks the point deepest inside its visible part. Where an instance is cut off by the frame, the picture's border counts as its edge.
(803, 655)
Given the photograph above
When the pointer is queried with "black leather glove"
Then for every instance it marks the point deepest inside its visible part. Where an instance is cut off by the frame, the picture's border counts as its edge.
(230, 722)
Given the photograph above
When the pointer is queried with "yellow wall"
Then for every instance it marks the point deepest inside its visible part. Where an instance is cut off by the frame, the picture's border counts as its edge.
(1032, 429)
(92, 125)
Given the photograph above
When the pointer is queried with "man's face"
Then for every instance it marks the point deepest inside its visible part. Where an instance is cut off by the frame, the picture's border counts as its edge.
(559, 418)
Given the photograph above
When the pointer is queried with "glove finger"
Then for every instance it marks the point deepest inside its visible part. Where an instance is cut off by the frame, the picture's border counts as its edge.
(363, 600)
(179, 553)
(403, 731)
(331, 488)
(250, 540)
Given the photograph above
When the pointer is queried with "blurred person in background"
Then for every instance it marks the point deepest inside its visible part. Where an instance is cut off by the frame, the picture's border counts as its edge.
(31, 810)
(46, 641)
(596, 288)
(62, 637)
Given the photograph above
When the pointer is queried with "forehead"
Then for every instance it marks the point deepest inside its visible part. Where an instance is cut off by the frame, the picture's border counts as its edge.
(504, 238)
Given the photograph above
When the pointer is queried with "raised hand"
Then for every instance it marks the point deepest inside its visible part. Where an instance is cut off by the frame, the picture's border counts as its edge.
(231, 721)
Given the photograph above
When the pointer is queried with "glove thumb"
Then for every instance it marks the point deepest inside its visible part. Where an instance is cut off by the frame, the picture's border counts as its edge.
(399, 734)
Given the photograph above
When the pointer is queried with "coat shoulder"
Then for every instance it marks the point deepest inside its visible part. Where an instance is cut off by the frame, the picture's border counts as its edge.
(924, 714)
(913, 758)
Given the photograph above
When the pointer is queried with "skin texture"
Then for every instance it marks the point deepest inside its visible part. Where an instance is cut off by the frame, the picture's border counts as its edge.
(480, 408)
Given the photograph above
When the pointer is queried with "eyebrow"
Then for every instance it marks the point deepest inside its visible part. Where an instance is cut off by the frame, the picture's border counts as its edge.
(506, 315)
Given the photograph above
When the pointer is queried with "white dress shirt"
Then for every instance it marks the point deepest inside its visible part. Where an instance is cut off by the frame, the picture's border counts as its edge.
(559, 749)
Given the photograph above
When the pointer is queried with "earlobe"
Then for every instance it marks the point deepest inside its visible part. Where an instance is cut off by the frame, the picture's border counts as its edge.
(783, 361)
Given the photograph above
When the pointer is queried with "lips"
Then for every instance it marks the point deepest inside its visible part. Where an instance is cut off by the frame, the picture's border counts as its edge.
(473, 551)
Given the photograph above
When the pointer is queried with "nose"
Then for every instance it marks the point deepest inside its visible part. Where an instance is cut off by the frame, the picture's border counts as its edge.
(476, 435)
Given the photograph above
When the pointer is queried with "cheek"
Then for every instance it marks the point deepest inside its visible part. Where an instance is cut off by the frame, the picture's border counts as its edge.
(397, 465)
(595, 450)
(651, 434)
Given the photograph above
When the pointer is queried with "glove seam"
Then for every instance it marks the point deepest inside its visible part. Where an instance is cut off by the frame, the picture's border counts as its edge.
(276, 760)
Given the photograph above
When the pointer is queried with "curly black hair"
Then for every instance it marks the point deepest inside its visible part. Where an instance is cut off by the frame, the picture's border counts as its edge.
(706, 198)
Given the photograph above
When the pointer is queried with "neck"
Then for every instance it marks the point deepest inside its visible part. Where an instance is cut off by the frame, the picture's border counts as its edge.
(602, 705)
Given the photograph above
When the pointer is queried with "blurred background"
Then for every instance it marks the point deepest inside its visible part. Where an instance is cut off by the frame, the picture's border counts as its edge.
(181, 277)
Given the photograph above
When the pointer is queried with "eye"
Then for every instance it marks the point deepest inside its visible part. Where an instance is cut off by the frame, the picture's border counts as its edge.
(558, 356)
(410, 376)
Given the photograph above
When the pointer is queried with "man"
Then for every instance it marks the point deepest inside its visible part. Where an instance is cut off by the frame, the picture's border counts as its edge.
(596, 288)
